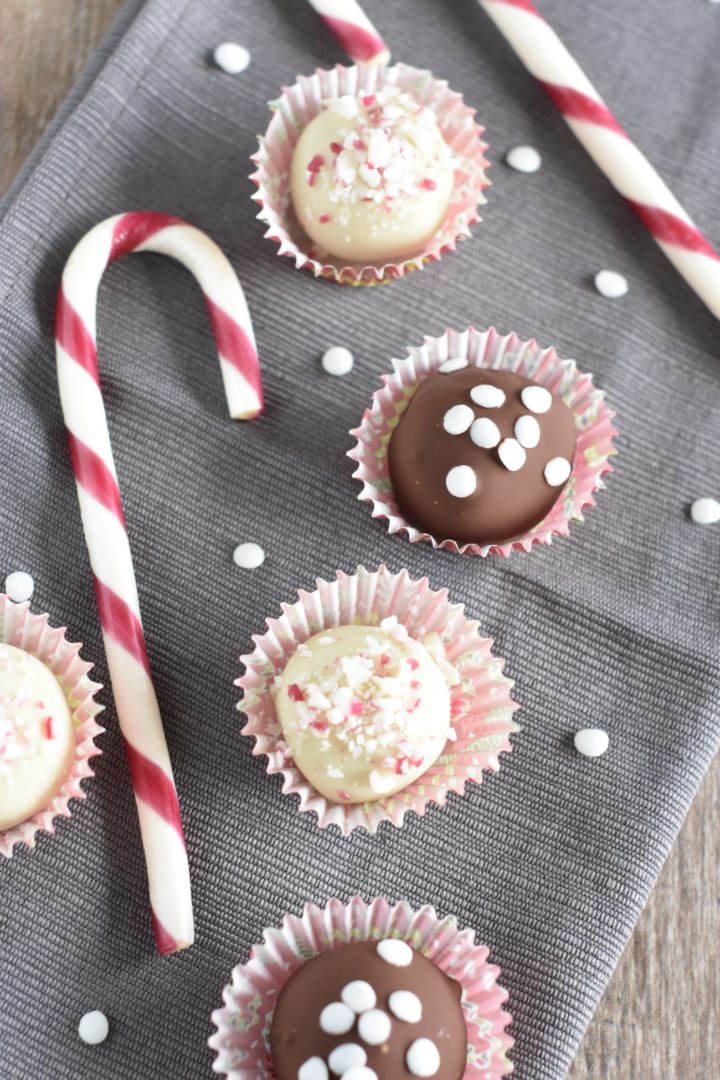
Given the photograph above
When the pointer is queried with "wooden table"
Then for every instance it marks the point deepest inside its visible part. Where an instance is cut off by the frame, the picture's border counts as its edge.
(660, 1017)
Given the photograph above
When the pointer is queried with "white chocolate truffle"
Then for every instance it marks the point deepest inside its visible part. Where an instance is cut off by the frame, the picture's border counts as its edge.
(365, 711)
(37, 738)
(372, 177)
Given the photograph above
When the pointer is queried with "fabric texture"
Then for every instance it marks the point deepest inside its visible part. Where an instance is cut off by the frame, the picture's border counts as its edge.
(551, 859)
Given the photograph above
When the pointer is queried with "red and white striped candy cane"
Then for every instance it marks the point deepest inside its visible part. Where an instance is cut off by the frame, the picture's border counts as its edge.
(104, 524)
(352, 29)
(629, 171)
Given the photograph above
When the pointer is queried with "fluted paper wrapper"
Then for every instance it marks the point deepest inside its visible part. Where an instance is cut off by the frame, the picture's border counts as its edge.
(487, 349)
(301, 103)
(243, 1023)
(481, 706)
(33, 634)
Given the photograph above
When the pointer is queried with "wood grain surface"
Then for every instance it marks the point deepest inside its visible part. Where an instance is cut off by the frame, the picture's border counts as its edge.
(660, 1017)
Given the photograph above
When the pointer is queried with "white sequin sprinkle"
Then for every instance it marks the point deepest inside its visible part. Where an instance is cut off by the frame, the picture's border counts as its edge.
(395, 952)
(511, 454)
(524, 159)
(457, 420)
(231, 57)
(488, 396)
(337, 1018)
(19, 586)
(313, 1069)
(406, 1006)
(93, 1027)
(326, 640)
(485, 433)
(527, 431)
(337, 360)
(536, 398)
(345, 1057)
(704, 511)
(359, 995)
(557, 471)
(611, 284)
(460, 481)
(360, 1073)
(456, 363)
(374, 1027)
(422, 1058)
(248, 556)
(591, 742)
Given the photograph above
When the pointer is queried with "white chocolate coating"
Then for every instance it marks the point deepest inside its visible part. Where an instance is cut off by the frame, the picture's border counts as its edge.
(372, 177)
(37, 738)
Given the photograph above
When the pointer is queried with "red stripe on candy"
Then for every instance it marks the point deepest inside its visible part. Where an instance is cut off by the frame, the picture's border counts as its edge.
(357, 42)
(235, 346)
(120, 622)
(153, 786)
(578, 106)
(164, 941)
(94, 476)
(524, 5)
(136, 228)
(671, 229)
(74, 337)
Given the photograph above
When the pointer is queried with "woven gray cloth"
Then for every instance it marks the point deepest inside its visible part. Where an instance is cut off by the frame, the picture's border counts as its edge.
(551, 859)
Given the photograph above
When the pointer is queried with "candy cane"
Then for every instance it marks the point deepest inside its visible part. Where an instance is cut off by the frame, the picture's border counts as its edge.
(350, 26)
(104, 524)
(630, 173)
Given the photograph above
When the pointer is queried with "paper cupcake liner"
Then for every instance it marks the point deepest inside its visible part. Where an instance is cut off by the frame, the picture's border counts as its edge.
(243, 1024)
(19, 627)
(481, 706)
(487, 349)
(301, 103)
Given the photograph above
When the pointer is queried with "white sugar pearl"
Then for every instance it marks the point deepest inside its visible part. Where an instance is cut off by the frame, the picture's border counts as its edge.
(456, 363)
(536, 398)
(406, 1006)
(395, 952)
(485, 433)
(248, 556)
(19, 586)
(422, 1058)
(557, 471)
(527, 431)
(591, 742)
(524, 159)
(346, 1056)
(458, 419)
(461, 481)
(359, 995)
(231, 57)
(489, 397)
(610, 284)
(337, 360)
(374, 1027)
(511, 454)
(703, 511)
(336, 1018)
(360, 1073)
(93, 1027)
(313, 1069)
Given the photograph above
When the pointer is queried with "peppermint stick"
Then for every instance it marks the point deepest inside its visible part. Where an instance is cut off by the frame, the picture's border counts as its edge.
(104, 524)
(352, 29)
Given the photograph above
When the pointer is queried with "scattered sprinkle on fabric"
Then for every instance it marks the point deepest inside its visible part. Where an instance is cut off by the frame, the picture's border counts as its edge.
(337, 360)
(525, 159)
(19, 586)
(248, 556)
(591, 742)
(611, 284)
(705, 511)
(231, 57)
(93, 1027)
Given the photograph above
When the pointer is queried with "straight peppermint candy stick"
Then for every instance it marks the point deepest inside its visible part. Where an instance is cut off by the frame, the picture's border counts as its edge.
(104, 524)
(352, 29)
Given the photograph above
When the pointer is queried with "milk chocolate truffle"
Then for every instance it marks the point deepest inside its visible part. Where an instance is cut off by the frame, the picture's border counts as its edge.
(369, 1011)
(372, 177)
(480, 456)
(365, 710)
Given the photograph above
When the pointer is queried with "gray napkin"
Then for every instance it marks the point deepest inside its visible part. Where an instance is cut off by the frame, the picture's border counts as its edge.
(551, 859)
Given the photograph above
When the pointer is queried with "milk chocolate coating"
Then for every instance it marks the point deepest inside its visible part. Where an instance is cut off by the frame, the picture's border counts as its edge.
(296, 1036)
(505, 505)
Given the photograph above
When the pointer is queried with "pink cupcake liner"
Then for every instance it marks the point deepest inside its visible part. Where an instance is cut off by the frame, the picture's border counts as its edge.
(481, 704)
(33, 634)
(301, 103)
(243, 1024)
(487, 349)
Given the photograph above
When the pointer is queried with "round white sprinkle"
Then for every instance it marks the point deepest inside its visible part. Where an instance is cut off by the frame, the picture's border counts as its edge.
(557, 471)
(511, 454)
(489, 397)
(456, 363)
(360, 1073)
(93, 1027)
(611, 284)
(374, 1027)
(248, 556)
(527, 431)
(396, 952)
(346, 1056)
(231, 57)
(703, 511)
(313, 1069)
(336, 1018)
(406, 1006)
(485, 433)
(536, 398)
(19, 586)
(422, 1058)
(461, 481)
(338, 360)
(524, 159)
(360, 996)
(591, 742)
(458, 419)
